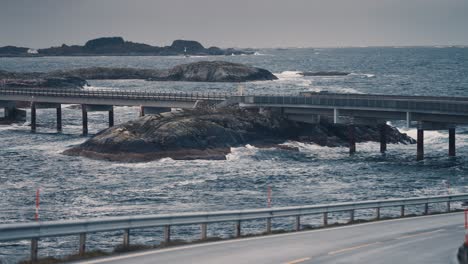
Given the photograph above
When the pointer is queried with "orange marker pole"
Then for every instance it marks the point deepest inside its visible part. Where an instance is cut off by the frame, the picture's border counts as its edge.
(37, 205)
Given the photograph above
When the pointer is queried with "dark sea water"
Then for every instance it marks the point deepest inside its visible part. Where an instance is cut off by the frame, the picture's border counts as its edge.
(75, 187)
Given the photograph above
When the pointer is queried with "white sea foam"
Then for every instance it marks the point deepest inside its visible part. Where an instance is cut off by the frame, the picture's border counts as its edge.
(289, 75)
(367, 75)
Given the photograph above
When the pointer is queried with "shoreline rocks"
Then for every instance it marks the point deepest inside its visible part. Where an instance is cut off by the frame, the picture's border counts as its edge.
(210, 134)
(325, 73)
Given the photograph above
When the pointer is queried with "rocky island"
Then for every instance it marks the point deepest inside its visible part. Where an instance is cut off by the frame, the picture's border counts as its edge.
(203, 71)
(210, 134)
(117, 46)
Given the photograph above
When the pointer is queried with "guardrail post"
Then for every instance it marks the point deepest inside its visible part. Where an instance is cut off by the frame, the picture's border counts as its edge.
(297, 224)
(268, 225)
(325, 219)
(402, 211)
(33, 117)
(238, 229)
(59, 118)
(85, 120)
(34, 249)
(351, 216)
(82, 246)
(167, 234)
(426, 208)
(126, 238)
(204, 228)
(377, 213)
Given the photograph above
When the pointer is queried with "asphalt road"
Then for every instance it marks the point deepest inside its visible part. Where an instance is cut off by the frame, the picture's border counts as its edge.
(429, 239)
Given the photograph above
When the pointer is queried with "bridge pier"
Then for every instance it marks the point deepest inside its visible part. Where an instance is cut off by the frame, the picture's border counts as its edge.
(84, 114)
(420, 144)
(452, 142)
(352, 139)
(35, 106)
(111, 117)
(33, 117)
(383, 138)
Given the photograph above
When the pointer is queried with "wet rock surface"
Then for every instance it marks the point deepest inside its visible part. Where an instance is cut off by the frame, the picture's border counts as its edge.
(210, 133)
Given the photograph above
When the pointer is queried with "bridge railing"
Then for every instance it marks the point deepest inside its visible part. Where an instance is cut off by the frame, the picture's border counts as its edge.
(36, 230)
(356, 101)
(114, 94)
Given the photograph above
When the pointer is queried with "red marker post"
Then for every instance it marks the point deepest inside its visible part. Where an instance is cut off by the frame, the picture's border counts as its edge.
(37, 205)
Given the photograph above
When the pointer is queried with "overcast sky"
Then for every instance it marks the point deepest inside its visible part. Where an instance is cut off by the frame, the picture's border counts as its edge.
(237, 23)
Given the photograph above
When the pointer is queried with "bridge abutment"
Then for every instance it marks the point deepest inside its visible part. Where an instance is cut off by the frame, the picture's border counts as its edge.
(153, 110)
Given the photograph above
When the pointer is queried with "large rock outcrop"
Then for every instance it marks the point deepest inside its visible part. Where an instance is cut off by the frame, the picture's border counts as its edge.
(209, 134)
(215, 71)
(204, 71)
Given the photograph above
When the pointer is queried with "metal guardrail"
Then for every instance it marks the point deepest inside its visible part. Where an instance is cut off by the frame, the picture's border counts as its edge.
(352, 101)
(114, 94)
(36, 230)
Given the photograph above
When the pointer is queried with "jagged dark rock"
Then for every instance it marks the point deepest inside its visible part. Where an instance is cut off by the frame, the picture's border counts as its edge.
(209, 134)
(215, 71)
(325, 73)
(117, 46)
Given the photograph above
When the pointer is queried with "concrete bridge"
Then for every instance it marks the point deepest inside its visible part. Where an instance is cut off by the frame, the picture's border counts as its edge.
(422, 112)
(98, 100)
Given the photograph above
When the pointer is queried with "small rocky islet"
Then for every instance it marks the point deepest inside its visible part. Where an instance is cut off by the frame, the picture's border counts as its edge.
(203, 71)
(211, 133)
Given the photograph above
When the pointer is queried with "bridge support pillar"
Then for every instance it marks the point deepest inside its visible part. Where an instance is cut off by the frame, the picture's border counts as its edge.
(84, 112)
(377, 213)
(167, 234)
(238, 229)
(352, 139)
(448, 207)
(325, 219)
(111, 117)
(204, 228)
(142, 111)
(451, 142)
(420, 144)
(426, 209)
(402, 211)
(82, 246)
(59, 118)
(34, 249)
(33, 117)
(126, 238)
(383, 138)
(351, 216)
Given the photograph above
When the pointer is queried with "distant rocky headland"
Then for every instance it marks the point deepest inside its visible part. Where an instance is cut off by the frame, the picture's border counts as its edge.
(117, 46)
(210, 134)
(203, 71)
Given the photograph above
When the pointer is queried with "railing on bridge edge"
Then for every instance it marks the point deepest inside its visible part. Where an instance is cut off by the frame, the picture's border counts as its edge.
(117, 94)
(36, 230)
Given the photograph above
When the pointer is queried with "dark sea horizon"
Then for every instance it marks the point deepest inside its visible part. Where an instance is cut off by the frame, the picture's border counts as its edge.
(76, 187)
